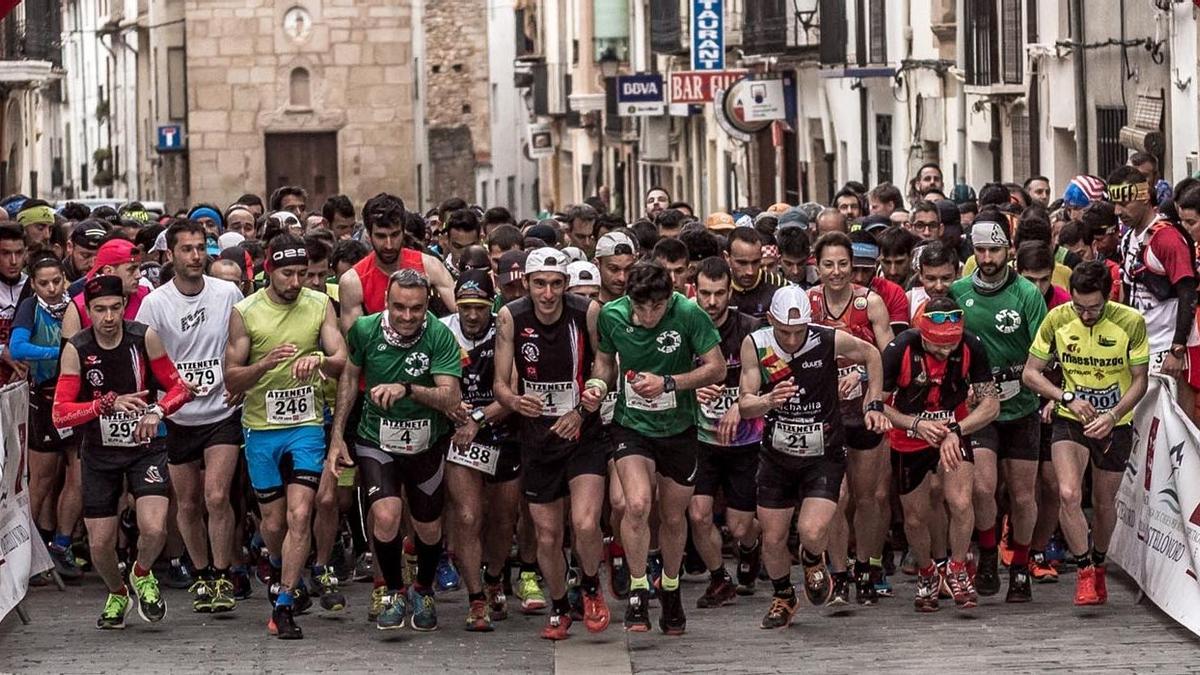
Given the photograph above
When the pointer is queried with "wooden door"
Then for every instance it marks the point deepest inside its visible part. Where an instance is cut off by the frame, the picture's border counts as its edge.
(309, 160)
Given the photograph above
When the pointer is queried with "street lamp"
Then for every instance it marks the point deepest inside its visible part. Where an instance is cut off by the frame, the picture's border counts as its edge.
(610, 65)
(806, 13)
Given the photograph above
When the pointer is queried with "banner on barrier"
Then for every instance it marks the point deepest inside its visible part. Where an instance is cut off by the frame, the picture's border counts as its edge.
(1157, 536)
(22, 553)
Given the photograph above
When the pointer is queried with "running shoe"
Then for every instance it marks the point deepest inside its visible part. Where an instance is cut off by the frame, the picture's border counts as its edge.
(883, 587)
(818, 585)
(720, 592)
(944, 592)
(864, 591)
(178, 575)
(376, 606)
(447, 575)
(533, 600)
(1005, 544)
(637, 611)
(618, 571)
(672, 621)
(364, 567)
(987, 576)
(242, 588)
(1041, 570)
(326, 582)
(780, 613)
(1101, 583)
(424, 609)
(202, 594)
(221, 594)
(1085, 586)
(749, 565)
(557, 626)
(595, 612)
(478, 619)
(283, 624)
(908, 564)
(115, 609)
(497, 601)
(961, 587)
(150, 603)
(65, 563)
(926, 599)
(840, 596)
(1020, 586)
(392, 611)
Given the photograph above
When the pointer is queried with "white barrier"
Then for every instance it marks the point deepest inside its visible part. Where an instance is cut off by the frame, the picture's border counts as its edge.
(1157, 537)
(22, 553)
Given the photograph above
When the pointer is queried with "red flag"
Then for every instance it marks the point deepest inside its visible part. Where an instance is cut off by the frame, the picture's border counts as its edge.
(7, 6)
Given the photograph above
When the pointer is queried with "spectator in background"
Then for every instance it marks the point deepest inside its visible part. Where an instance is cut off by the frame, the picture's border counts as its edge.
(657, 200)
(289, 198)
(884, 199)
(849, 203)
(340, 216)
(929, 179)
(581, 228)
(252, 202)
(1038, 188)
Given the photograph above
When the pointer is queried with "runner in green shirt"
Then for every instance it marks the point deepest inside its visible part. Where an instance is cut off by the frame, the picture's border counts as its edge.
(411, 363)
(658, 335)
(1004, 310)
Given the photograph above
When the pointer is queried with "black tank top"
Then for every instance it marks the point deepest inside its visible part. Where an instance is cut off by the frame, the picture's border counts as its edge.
(125, 369)
(478, 375)
(814, 369)
(733, 332)
(552, 360)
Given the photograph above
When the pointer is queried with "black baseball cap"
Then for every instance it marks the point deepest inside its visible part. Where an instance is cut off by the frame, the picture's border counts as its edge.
(89, 234)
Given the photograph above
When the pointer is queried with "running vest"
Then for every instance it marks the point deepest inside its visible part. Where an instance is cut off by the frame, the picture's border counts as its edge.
(735, 329)
(929, 388)
(552, 361)
(1148, 286)
(277, 400)
(855, 320)
(125, 369)
(375, 282)
(809, 425)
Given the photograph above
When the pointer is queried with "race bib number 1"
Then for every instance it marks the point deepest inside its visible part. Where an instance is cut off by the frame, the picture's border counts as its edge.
(799, 440)
(291, 406)
(478, 456)
(202, 375)
(116, 430)
(558, 398)
(404, 438)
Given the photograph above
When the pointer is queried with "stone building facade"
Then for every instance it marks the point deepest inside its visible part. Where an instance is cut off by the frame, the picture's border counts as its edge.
(321, 93)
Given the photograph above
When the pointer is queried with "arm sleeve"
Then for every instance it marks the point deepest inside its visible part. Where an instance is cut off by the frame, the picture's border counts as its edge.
(23, 350)
(1139, 342)
(1185, 312)
(67, 411)
(168, 378)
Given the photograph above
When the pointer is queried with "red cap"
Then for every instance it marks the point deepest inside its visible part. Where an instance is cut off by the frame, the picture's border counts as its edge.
(114, 252)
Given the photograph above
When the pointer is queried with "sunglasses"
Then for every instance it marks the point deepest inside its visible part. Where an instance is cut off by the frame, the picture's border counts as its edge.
(951, 316)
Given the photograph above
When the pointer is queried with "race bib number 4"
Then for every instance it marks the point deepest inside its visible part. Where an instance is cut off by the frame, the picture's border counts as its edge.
(116, 430)
(408, 437)
(558, 398)
(291, 406)
(1101, 399)
(799, 440)
(718, 406)
(664, 401)
(477, 456)
(203, 376)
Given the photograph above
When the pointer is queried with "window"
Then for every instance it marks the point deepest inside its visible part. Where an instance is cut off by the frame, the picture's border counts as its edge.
(765, 30)
(982, 55)
(1022, 167)
(1012, 53)
(512, 193)
(834, 33)
(299, 89)
(877, 38)
(883, 145)
(666, 37)
(176, 83)
(1110, 154)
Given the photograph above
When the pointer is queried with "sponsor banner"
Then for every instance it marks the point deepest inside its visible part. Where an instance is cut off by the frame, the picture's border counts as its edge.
(640, 94)
(1157, 536)
(690, 86)
(22, 553)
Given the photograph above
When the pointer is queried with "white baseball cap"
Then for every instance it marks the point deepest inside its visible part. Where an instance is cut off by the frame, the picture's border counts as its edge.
(574, 253)
(790, 306)
(582, 273)
(229, 240)
(546, 259)
(615, 243)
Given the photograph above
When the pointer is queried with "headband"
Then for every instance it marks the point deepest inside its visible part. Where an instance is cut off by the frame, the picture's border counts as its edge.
(944, 334)
(1129, 192)
(36, 214)
(987, 233)
(287, 256)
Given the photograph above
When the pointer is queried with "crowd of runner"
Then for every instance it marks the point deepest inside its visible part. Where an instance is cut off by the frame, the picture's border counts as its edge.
(461, 399)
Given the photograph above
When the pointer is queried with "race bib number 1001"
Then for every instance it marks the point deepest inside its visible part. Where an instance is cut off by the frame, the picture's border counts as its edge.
(291, 406)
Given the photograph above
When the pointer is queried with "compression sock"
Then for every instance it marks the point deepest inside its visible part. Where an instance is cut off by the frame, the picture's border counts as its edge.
(389, 560)
(428, 556)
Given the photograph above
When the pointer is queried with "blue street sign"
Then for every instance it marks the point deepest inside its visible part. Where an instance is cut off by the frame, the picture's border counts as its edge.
(641, 94)
(170, 137)
(708, 35)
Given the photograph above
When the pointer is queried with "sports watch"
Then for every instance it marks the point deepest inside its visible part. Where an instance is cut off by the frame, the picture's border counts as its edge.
(668, 383)
(479, 417)
(1067, 397)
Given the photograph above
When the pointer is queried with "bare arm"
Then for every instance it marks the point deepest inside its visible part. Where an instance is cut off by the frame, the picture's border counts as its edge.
(333, 344)
(1037, 382)
(749, 401)
(1133, 395)
(71, 323)
(864, 354)
(347, 392)
(350, 295)
(444, 396)
(504, 385)
(881, 323)
(710, 371)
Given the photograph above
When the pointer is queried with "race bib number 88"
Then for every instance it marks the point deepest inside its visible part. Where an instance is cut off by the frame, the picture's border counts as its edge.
(477, 456)
(291, 406)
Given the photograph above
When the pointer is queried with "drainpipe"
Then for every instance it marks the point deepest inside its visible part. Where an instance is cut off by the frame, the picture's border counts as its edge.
(961, 99)
(1081, 110)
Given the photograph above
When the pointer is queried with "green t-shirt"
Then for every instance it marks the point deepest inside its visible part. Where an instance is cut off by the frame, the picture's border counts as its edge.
(1007, 322)
(406, 428)
(670, 348)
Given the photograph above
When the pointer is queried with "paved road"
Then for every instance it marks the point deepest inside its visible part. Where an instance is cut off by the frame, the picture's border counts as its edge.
(1048, 635)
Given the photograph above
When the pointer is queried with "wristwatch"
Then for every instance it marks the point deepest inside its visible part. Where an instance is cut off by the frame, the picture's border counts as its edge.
(1178, 351)
(479, 417)
(407, 389)
(874, 406)
(955, 429)
(155, 409)
(668, 383)
(1067, 397)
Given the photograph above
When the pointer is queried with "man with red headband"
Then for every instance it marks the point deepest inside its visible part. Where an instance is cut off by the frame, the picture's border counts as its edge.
(109, 378)
(117, 257)
(928, 373)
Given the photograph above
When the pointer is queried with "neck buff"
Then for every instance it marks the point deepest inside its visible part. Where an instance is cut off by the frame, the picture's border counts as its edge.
(394, 338)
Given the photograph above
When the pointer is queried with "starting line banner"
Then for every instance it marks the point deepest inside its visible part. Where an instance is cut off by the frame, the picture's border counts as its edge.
(1157, 536)
(22, 553)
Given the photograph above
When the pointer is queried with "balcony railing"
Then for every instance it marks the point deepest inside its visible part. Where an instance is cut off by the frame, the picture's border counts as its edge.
(35, 37)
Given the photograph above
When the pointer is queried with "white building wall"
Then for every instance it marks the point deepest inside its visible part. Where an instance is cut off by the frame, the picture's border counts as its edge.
(509, 117)
(86, 63)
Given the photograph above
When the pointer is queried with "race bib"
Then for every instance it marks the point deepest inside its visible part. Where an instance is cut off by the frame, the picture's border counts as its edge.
(860, 372)
(1008, 389)
(1101, 399)
(407, 437)
(202, 375)
(1157, 359)
(664, 401)
(478, 456)
(608, 407)
(934, 415)
(116, 430)
(718, 406)
(799, 440)
(291, 406)
(558, 398)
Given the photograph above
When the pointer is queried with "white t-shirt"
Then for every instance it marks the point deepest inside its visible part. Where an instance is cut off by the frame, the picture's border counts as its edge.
(916, 296)
(194, 330)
